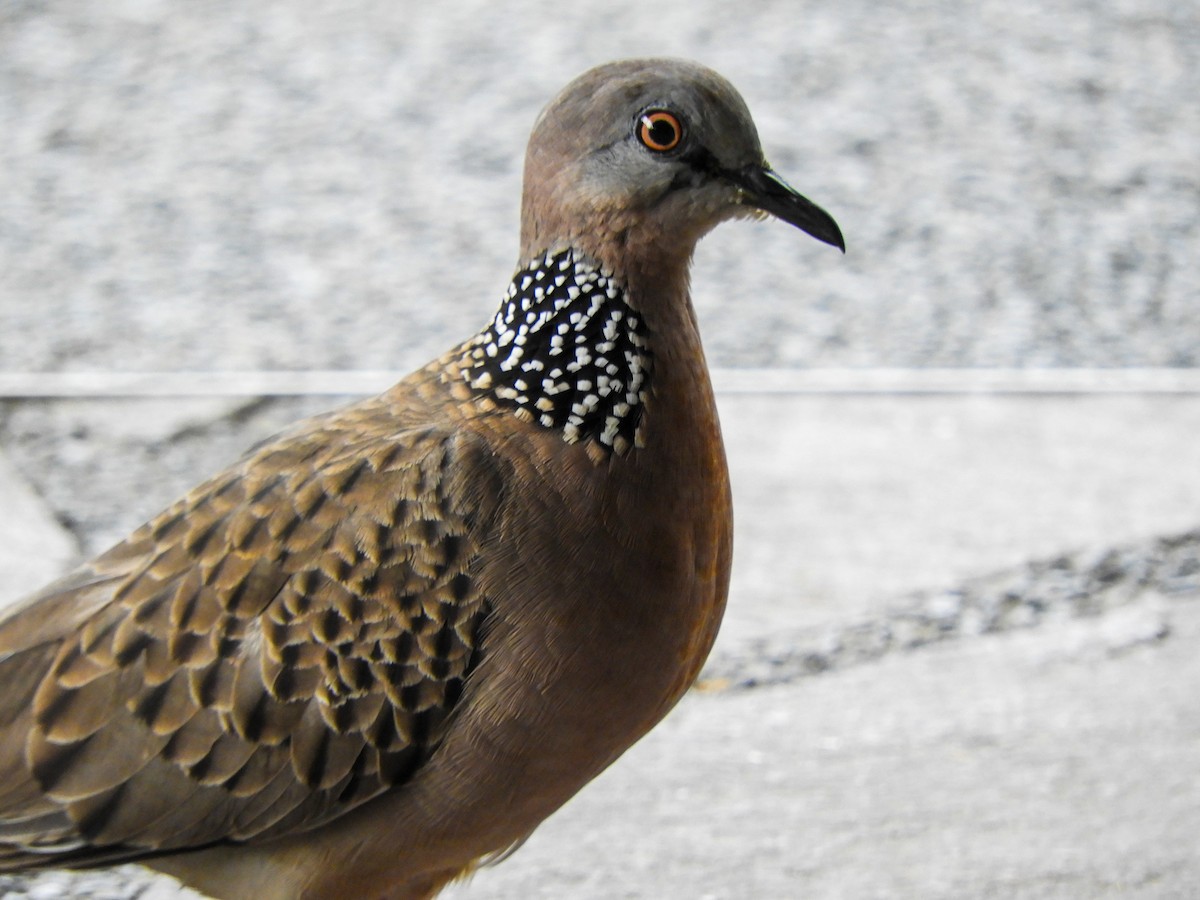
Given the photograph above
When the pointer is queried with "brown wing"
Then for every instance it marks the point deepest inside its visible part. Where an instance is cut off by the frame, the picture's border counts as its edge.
(278, 647)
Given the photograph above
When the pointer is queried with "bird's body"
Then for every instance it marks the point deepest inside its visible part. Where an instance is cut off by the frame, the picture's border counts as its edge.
(389, 642)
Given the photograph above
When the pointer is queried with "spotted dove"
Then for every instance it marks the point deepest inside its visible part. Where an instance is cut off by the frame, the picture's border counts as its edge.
(390, 641)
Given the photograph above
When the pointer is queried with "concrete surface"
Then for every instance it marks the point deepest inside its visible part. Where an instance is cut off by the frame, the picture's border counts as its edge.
(301, 185)
(1055, 761)
(1040, 764)
(845, 503)
(36, 548)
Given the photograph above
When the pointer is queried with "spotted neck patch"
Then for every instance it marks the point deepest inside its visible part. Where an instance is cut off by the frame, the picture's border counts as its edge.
(565, 350)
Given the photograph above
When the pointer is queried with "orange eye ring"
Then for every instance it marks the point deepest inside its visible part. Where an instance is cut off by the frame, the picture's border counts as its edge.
(659, 130)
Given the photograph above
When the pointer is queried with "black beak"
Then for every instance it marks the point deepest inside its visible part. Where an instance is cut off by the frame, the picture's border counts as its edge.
(765, 190)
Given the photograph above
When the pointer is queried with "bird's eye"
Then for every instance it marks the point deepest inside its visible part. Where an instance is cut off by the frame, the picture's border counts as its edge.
(659, 130)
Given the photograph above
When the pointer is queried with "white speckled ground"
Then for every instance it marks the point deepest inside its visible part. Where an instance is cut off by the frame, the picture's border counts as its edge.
(298, 185)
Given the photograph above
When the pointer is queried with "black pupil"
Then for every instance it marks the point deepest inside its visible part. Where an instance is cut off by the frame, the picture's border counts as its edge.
(662, 132)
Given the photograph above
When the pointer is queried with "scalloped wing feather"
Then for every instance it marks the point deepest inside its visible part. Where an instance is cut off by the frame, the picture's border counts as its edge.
(278, 647)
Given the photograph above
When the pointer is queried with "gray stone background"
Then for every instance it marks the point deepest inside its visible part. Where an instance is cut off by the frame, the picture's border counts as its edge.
(995, 590)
